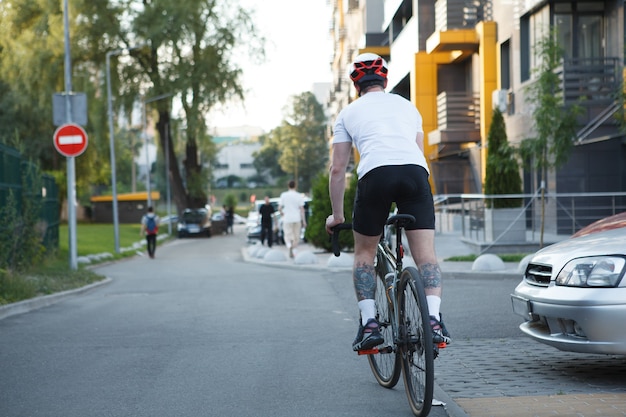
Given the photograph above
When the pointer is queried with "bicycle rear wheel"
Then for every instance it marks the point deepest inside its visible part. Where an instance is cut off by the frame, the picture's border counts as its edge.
(386, 366)
(417, 347)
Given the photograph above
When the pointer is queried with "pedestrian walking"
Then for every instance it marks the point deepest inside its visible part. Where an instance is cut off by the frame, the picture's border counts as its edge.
(292, 211)
(266, 212)
(150, 228)
(230, 219)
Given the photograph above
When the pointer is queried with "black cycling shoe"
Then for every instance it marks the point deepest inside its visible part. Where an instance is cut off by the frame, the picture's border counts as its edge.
(440, 333)
(368, 336)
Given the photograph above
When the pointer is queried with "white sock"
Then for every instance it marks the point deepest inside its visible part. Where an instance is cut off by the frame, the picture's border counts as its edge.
(434, 303)
(368, 310)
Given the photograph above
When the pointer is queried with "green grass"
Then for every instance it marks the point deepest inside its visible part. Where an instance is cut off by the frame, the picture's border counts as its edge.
(54, 273)
(94, 238)
(51, 276)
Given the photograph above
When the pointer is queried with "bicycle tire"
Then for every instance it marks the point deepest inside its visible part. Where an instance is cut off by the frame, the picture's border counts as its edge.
(417, 342)
(386, 367)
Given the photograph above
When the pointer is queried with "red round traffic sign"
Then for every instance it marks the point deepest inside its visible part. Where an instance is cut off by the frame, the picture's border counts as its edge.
(70, 139)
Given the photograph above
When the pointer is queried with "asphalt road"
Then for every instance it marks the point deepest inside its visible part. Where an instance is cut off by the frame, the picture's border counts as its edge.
(194, 332)
(199, 332)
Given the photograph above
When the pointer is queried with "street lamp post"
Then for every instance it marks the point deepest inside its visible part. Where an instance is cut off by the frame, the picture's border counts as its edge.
(167, 179)
(112, 143)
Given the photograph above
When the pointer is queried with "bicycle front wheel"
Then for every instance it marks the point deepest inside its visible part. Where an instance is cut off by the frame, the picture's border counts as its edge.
(417, 342)
(385, 365)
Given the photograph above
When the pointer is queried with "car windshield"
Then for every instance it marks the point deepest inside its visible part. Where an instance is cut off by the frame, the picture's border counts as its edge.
(195, 216)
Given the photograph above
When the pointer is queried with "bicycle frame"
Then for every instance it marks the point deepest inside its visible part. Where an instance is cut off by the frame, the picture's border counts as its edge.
(385, 252)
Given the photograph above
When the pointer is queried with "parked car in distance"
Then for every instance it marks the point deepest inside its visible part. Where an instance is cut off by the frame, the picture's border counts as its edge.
(219, 226)
(573, 293)
(194, 222)
(237, 219)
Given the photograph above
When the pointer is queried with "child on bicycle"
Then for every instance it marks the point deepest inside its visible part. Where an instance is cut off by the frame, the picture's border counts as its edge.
(386, 129)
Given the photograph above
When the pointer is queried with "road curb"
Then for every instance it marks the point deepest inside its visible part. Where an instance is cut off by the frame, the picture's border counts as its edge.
(480, 274)
(25, 306)
(451, 407)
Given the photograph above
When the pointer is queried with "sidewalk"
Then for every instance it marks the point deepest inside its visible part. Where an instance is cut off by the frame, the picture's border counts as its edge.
(510, 380)
(307, 256)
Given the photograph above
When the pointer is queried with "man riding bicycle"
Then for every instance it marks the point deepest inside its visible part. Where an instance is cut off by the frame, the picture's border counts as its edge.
(386, 129)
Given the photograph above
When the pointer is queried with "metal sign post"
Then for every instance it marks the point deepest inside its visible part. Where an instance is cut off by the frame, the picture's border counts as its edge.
(70, 139)
(71, 182)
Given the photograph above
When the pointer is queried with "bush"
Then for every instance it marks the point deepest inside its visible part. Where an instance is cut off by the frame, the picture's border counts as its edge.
(321, 208)
(502, 170)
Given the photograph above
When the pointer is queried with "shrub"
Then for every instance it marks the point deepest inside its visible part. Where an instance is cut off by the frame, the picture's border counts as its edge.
(321, 208)
(502, 170)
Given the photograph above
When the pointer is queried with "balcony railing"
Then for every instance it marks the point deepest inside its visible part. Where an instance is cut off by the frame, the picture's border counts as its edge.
(458, 118)
(595, 81)
(593, 84)
(458, 111)
(458, 14)
(564, 213)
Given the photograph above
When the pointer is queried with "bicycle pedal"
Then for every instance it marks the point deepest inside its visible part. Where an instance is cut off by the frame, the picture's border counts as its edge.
(374, 351)
(367, 352)
(442, 345)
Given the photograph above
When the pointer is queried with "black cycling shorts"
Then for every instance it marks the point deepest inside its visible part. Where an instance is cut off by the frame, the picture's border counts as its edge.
(406, 185)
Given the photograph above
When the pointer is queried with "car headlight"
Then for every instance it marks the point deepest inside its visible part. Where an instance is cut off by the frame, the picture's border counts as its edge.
(596, 271)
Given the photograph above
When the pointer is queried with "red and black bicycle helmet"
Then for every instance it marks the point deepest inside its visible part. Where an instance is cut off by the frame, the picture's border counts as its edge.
(368, 67)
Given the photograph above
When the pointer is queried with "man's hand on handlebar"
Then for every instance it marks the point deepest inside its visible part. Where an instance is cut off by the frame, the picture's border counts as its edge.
(332, 221)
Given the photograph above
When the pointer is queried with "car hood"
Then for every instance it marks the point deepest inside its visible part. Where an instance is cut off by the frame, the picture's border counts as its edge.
(611, 242)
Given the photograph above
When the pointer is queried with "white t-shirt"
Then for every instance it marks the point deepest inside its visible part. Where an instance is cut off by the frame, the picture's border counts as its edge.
(383, 128)
(291, 201)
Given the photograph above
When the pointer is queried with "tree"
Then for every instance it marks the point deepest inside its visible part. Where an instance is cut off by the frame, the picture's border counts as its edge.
(190, 53)
(554, 122)
(502, 176)
(32, 69)
(192, 46)
(266, 159)
(299, 144)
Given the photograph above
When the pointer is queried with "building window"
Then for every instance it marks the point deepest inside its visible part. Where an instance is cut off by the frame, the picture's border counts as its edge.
(533, 28)
(505, 65)
(246, 166)
(524, 49)
(221, 166)
(579, 29)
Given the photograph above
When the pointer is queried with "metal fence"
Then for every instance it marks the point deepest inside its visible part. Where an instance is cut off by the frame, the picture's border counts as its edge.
(563, 213)
(15, 179)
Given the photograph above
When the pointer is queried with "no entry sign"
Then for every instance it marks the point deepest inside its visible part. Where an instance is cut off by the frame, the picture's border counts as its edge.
(70, 140)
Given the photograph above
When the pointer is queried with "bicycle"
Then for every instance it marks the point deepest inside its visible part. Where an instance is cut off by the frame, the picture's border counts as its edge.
(403, 319)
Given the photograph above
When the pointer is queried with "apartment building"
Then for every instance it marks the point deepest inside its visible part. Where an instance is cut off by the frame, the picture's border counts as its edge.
(236, 145)
(457, 59)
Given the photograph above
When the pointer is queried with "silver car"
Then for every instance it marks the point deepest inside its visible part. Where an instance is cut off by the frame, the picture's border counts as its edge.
(573, 293)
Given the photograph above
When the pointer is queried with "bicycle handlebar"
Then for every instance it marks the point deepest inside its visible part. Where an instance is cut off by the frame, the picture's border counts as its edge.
(400, 220)
(335, 236)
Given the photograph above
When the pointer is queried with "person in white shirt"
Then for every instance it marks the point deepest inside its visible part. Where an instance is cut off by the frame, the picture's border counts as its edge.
(386, 129)
(292, 212)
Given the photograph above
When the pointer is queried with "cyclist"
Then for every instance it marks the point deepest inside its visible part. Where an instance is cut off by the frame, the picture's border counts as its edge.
(386, 129)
